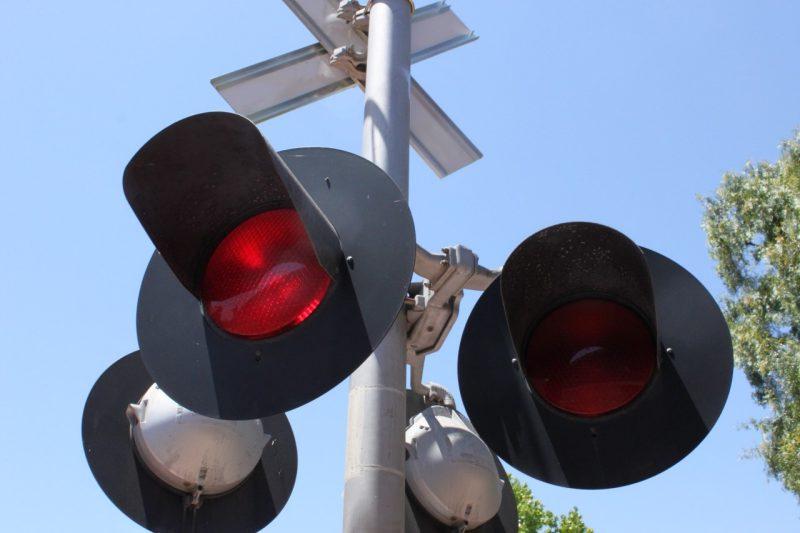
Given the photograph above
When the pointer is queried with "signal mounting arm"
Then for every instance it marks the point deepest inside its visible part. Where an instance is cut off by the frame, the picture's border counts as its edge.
(432, 308)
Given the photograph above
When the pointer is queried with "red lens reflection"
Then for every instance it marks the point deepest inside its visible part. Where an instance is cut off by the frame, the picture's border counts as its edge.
(590, 357)
(264, 277)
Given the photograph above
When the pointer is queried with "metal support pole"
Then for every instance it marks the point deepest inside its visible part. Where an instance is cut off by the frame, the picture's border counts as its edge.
(374, 490)
(387, 107)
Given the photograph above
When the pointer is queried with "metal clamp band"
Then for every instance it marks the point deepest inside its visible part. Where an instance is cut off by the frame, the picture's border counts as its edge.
(410, 3)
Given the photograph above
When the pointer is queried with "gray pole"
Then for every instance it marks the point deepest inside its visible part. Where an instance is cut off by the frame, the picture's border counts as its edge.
(374, 489)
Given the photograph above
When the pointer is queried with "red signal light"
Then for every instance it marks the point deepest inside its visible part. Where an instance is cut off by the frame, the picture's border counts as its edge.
(264, 277)
(590, 357)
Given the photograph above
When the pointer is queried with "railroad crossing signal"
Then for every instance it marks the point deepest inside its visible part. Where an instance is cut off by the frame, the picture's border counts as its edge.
(251, 501)
(275, 275)
(592, 362)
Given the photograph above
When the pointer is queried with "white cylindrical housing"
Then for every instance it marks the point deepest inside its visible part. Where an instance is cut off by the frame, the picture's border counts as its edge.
(450, 470)
(191, 452)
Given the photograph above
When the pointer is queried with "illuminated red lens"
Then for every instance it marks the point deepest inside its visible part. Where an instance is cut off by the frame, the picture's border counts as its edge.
(264, 277)
(590, 357)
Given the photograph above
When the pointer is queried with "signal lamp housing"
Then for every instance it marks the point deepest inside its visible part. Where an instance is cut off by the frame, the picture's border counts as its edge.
(449, 469)
(263, 278)
(190, 452)
(275, 274)
(151, 473)
(591, 362)
(590, 357)
(453, 480)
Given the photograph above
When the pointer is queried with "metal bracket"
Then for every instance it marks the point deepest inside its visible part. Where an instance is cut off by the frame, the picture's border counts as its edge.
(195, 500)
(433, 307)
(352, 61)
(434, 266)
(352, 12)
(347, 9)
(437, 395)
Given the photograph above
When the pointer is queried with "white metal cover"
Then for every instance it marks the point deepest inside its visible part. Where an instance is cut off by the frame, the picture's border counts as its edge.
(450, 469)
(189, 451)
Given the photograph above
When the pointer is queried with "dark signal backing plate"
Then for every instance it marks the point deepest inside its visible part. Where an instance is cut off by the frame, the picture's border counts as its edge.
(219, 375)
(147, 501)
(655, 431)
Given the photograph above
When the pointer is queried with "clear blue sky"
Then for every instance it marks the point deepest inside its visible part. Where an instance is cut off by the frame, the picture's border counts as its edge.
(617, 112)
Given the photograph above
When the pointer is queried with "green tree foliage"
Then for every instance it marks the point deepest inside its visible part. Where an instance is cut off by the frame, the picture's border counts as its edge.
(534, 518)
(753, 227)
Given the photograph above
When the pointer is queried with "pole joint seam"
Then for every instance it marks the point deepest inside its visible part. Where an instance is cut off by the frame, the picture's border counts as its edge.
(361, 468)
(360, 388)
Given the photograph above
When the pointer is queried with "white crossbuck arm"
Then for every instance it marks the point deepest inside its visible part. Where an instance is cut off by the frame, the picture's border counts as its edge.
(284, 83)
